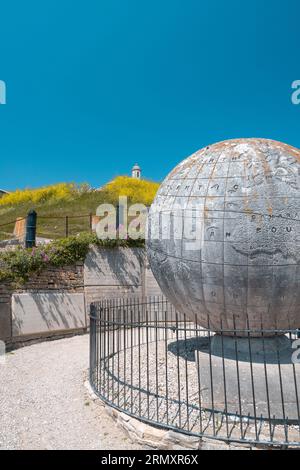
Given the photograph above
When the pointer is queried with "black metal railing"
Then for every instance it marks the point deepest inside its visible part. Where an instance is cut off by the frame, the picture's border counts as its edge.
(163, 368)
(57, 226)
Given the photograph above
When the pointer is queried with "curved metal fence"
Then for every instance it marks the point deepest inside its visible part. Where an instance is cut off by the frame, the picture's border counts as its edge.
(157, 365)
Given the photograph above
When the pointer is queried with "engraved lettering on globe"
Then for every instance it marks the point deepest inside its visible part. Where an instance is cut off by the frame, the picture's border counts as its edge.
(224, 235)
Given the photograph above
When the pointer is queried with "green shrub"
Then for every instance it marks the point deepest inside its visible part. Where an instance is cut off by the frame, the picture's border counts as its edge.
(17, 265)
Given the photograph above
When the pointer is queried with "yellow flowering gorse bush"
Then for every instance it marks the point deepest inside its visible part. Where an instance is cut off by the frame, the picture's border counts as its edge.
(137, 191)
(56, 192)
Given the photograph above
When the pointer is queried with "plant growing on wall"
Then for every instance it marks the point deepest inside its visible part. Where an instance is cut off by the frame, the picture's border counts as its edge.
(17, 265)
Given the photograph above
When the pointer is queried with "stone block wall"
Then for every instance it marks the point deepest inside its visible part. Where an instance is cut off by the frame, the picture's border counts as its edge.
(117, 273)
(57, 301)
(68, 278)
(51, 302)
(40, 313)
(6, 291)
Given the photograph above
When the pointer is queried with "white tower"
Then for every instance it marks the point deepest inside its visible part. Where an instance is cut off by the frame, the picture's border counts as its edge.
(136, 172)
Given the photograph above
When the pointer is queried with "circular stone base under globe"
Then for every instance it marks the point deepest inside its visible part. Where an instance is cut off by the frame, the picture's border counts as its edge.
(253, 349)
(224, 236)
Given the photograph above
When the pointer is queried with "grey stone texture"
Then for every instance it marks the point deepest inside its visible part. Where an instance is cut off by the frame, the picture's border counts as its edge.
(117, 273)
(39, 308)
(266, 390)
(56, 301)
(162, 439)
(224, 235)
(5, 320)
(34, 313)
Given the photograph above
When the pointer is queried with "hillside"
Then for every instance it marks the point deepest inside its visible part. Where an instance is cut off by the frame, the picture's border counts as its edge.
(54, 203)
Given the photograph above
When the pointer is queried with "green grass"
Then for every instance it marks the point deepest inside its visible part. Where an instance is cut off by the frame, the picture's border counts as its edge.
(83, 204)
(77, 203)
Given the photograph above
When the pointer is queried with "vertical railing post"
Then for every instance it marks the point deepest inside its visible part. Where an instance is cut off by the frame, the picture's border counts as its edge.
(93, 343)
(91, 222)
(117, 217)
(30, 237)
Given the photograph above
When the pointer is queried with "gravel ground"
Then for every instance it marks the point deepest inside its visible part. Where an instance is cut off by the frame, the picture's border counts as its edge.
(44, 404)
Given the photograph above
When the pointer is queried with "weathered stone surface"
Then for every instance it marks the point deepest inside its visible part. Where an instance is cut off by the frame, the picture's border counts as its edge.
(150, 436)
(113, 267)
(245, 392)
(5, 321)
(67, 278)
(232, 247)
(35, 313)
(117, 273)
(187, 442)
(96, 293)
(151, 286)
(107, 274)
(210, 444)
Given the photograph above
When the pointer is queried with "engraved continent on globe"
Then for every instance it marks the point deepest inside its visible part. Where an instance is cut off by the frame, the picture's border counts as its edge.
(224, 235)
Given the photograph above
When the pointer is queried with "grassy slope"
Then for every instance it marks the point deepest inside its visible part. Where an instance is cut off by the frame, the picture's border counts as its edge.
(76, 204)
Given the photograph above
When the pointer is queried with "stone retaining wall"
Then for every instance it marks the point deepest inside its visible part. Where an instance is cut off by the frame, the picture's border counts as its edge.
(68, 278)
(44, 306)
(6, 291)
(116, 273)
(56, 301)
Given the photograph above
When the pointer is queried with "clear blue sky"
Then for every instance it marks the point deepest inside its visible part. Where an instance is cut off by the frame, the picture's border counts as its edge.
(94, 86)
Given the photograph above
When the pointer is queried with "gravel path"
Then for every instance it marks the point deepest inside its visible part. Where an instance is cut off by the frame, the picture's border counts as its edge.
(44, 404)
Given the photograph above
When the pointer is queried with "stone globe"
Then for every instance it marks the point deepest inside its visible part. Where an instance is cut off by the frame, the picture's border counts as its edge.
(223, 236)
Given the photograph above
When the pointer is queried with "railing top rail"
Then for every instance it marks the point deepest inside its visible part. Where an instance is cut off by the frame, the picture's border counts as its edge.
(148, 324)
(122, 305)
(63, 216)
